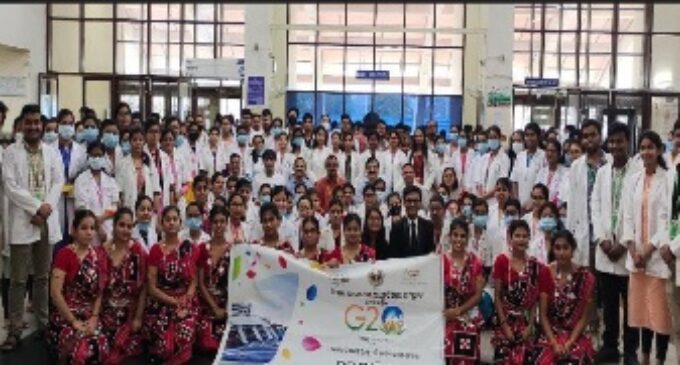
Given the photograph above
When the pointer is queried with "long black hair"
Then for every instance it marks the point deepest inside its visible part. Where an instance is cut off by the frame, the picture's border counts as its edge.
(656, 140)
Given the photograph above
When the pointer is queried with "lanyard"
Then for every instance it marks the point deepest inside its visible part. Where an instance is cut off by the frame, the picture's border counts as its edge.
(66, 159)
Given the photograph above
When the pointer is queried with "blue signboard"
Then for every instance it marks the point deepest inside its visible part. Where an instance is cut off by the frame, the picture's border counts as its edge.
(539, 82)
(373, 75)
(255, 90)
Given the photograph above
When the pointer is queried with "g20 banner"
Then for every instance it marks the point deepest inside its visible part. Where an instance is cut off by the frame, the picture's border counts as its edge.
(285, 310)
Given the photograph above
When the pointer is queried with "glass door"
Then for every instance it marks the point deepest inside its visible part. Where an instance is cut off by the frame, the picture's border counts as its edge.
(49, 95)
(133, 92)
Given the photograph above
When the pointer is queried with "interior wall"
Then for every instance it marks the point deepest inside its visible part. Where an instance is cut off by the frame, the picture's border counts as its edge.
(24, 28)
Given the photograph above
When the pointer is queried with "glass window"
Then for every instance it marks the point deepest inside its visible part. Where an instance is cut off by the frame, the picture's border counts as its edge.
(102, 11)
(132, 11)
(331, 104)
(98, 52)
(665, 17)
(389, 59)
(65, 48)
(388, 106)
(360, 15)
(390, 15)
(330, 61)
(418, 71)
(233, 13)
(71, 11)
(665, 70)
(449, 16)
(448, 77)
(331, 14)
(358, 58)
(631, 18)
(419, 16)
(205, 33)
(205, 12)
(357, 105)
(304, 101)
(300, 67)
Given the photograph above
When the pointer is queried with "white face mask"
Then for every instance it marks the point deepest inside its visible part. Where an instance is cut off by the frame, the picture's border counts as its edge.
(19, 137)
(517, 147)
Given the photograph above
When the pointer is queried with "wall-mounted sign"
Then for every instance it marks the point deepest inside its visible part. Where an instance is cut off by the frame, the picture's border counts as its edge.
(222, 68)
(255, 93)
(383, 75)
(541, 82)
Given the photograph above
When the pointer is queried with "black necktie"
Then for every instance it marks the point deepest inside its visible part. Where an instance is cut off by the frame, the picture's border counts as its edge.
(348, 168)
(413, 233)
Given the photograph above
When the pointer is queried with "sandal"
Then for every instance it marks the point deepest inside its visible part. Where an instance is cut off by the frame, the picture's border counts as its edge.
(10, 344)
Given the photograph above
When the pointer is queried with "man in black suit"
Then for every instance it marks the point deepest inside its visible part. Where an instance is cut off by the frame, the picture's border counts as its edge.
(411, 235)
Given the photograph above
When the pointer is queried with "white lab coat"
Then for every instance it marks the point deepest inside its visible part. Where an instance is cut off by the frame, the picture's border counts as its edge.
(316, 163)
(487, 248)
(213, 162)
(657, 217)
(127, 180)
(578, 221)
(394, 161)
(354, 165)
(601, 211)
(152, 237)
(97, 198)
(525, 176)
(670, 161)
(185, 235)
(76, 166)
(429, 170)
(21, 202)
(464, 168)
(556, 186)
(490, 170)
(364, 156)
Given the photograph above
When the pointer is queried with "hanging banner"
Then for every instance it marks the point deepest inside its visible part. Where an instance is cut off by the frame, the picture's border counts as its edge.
(255, 90)
(290, 311)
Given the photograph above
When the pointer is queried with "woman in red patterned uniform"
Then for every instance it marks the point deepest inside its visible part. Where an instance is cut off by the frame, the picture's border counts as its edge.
(74, 332)
(519, 279)
(125, 289)
(213, 280)
(270, 218)
(564, 315)
(352, 250)
(463, 287)
(170, 316)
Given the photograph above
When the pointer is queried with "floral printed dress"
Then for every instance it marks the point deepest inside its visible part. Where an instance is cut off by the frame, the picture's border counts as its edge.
(124, 283)
(566, 309)
(171, 338)
(520, 299)
(462, 334)
(82, 285)
(209, 329)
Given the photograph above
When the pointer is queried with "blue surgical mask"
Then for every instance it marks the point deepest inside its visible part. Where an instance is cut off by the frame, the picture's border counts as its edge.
(467, 211)
(509, 218)
(441, 148)
(90, 134)
(96, 163)
(194, 224)
(494, 144)
(479, 220)
(454, 136)
(276, 131)
(482, 148)
(110, 140)
(462, 142)
(265, 198)
(125, 147)
(67, 131)
(179, 141)
(382, 195)
(242, 139)
(298, 141)
(547, 224)
(669, 146)
(50, 137)
(80, 137)
(143, 226)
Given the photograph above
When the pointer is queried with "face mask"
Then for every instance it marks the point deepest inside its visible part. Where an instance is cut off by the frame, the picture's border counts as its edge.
(50, 137)
(143, 226)
(80, 137)
(382, 195)
(567, 160)
(509, 218)
(298, 141)
(292, 121)
(467, 211)
(669, 146)
(479, 220)
(110, 140)
(517, 147)
(563, 220)
(96, 163)
(66, 131)
(276, 131)
(494, 144)
(242, 139)
(194, 224)
(125, 147)
(441, 148)
(90, 134)
(547, 224)
(259, 152)
(326, 125)
(264, 198)
(19, 137)
(179, 141)
(454, 136)
(482, 148)
(462, 142)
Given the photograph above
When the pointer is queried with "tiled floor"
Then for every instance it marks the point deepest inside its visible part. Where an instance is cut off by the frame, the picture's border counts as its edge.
(33, 352)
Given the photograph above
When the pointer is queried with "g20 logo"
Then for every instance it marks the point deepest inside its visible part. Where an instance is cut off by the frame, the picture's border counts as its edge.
(389, 320)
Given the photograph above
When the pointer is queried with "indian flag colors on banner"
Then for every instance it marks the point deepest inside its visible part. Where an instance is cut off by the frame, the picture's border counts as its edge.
(284, 310)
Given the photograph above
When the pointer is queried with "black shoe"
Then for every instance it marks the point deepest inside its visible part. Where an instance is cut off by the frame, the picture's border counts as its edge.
(607, 355)
(630, 359)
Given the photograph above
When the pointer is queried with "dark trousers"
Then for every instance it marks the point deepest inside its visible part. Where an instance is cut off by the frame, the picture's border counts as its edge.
(661, 343)
(613, 290)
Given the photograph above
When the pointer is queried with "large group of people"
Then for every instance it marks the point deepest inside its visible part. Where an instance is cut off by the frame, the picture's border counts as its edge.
(125, 227)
